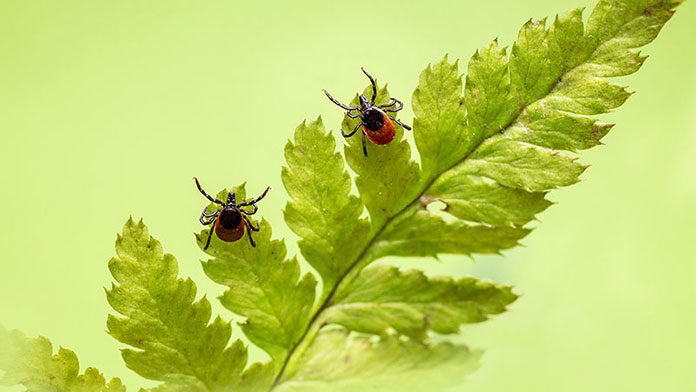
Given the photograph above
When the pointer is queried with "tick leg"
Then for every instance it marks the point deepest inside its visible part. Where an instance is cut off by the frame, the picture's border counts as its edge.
(207, 195)
(348, 108)
(374, 85)
(254, 201)
(256, 208)
(391, 103)
(364, 145)
(210, 235)
(250, 229)
(214, 213)
(251, 239)
(204, 215)
(400, 123)
(208, 222)
(396, 109)
(249, 225)
(356, 115)
(353, 132)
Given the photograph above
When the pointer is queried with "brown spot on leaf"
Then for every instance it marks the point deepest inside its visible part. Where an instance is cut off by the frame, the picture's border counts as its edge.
(425, 200)
(595, 132)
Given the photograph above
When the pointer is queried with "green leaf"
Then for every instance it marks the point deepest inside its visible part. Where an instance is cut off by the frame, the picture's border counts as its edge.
(557, 130)
(257, 378)
(490, 151)
(173, 337)
(418, 232)
(321, 209)
(263, 287)
(339, 362)
(623, 24)
(521, 165)
(533, 70)
(383, 298)
(441, 138)
(386, 178)
(528, 109)
(479, 199)
(266, 290)
(489, 104)
(30, 362)
(526, 113)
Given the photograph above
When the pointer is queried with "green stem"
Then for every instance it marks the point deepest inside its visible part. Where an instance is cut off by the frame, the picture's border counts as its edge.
(316, 323)
(358, 264)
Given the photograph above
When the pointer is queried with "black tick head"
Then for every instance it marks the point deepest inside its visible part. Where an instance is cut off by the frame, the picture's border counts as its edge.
(364, 103)
(231, 200)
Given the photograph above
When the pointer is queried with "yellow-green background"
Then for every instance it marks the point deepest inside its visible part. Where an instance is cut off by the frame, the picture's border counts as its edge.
(108, 108)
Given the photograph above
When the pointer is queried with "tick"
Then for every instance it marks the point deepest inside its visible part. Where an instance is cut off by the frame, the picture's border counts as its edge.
(230, 220)
(377, 125)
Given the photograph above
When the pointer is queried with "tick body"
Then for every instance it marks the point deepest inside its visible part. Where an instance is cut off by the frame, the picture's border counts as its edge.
(378, 127)
(231, 220)
(376, 124)
(229, 226)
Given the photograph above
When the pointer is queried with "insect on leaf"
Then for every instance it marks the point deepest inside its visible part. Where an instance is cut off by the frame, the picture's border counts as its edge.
(387, 176)
(491, 146)
(171, 333)
(491, 156)
(321, 210)
(262, 286)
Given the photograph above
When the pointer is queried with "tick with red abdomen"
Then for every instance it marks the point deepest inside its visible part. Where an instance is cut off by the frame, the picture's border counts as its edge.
(230, 220)
(377, 125)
